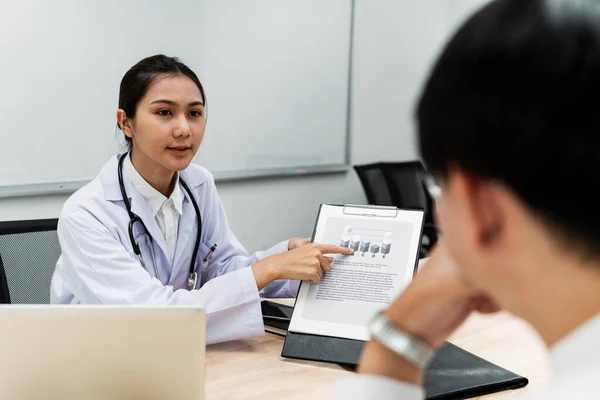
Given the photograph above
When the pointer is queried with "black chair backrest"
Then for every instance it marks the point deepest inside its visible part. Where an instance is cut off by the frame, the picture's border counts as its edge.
(400, 184)
(29, 251)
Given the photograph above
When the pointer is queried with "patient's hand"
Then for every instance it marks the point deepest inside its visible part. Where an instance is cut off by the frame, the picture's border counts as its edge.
(437, 301)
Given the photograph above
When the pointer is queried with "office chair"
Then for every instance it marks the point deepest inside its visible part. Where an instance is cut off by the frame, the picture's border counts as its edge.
(400, 184)
(29, 251)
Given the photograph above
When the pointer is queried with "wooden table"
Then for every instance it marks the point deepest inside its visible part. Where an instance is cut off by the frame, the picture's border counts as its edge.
(254, 369)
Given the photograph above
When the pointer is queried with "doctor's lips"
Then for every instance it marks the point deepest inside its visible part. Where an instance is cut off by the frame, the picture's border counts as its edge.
(180, 150)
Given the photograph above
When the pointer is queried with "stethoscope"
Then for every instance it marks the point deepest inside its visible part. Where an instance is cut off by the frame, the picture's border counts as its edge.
(193, 276)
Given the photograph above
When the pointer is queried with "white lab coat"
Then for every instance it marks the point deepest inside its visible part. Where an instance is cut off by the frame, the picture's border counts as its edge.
(98, 264)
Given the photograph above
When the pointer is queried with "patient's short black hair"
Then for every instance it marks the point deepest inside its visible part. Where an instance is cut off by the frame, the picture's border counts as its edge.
(514, 98)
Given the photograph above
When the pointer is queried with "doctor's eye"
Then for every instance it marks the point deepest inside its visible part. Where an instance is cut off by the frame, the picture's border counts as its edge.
(163, 113)
(196, 113)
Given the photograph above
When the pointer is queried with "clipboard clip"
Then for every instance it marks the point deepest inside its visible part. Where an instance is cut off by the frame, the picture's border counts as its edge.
(371, 211)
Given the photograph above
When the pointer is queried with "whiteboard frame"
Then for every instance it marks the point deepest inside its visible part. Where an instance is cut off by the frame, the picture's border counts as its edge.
(52, 188)
(42, 189)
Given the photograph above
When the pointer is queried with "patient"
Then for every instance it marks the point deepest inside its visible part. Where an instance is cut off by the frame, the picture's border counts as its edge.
(509, 125)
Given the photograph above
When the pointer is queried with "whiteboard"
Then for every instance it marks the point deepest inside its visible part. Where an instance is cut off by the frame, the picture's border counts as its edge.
(276, 75)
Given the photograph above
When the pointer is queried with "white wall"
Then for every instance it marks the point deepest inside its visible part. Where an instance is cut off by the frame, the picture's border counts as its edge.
(394, 42)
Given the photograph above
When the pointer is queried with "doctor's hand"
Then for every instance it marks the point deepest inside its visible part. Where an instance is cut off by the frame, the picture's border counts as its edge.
(307, 263)
(435, 304)
(298, 242)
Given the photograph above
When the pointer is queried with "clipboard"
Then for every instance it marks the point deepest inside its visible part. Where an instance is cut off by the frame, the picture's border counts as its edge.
(331, 349)
(470, 375)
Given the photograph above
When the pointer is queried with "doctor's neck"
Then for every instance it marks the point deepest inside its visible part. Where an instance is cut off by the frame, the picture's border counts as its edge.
(159, 177)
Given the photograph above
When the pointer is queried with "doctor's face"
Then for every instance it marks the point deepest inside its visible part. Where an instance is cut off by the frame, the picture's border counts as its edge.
(169, 124)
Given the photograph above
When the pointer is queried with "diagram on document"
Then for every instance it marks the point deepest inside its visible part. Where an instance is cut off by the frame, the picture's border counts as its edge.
(376, 243)
(367, 242)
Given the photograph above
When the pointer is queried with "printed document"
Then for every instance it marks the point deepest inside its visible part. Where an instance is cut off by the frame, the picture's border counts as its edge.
(386, 245)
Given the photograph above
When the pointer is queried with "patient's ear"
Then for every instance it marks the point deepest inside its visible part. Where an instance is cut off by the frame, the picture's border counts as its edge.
(481, 207)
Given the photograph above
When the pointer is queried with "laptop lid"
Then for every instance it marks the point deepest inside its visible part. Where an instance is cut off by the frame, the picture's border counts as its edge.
(102, 352)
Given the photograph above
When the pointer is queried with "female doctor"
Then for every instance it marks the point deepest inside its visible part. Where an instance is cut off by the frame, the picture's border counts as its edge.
(150, 228)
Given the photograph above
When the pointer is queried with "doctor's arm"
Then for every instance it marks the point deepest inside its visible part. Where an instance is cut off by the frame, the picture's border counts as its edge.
(97, 269)
(277, 271)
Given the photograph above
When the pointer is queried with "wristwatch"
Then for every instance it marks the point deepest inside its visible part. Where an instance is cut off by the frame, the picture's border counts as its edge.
(400, 342)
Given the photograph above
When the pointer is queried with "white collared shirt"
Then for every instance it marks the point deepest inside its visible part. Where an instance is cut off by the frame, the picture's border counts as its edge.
(165, 211)
(575, 363)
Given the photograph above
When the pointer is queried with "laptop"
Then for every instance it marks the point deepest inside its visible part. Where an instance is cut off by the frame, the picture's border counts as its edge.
(102, 352)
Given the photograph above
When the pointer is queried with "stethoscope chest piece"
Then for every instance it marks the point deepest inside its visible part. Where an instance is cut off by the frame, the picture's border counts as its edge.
(192, 280)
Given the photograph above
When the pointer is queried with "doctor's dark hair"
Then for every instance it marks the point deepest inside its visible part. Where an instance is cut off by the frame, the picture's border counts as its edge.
(137, 81)
(513, 99)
